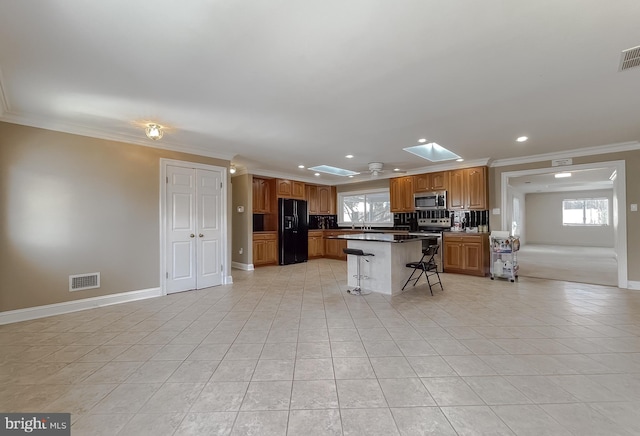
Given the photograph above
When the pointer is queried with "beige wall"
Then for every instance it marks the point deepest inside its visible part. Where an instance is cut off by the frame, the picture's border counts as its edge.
(242, 223)
(72, 205)
(544, 220)
(632, 166)
(363, 186)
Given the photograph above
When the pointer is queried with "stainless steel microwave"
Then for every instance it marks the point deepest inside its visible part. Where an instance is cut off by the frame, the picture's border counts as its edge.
(435, 200)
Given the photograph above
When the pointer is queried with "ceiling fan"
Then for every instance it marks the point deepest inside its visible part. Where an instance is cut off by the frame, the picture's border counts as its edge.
(377, 168)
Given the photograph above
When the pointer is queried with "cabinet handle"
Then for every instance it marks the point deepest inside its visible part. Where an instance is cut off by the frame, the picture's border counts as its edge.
(201, 235)
(192, 235)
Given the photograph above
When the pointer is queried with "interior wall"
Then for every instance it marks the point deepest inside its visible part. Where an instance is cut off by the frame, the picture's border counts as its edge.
(363, 186)
(242, 224)
(632, 187)
(544, 218)
(72, 205)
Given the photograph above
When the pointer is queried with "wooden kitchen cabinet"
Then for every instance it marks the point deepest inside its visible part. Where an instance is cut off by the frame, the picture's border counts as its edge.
(321, 200)
(333, 247)
(430, 182)
(290, 189)
(326, 200)
(466, 254)
(312, 199)
(401, 194)
(316, 244)
(467, 189)
(265, 248)
(261, 195)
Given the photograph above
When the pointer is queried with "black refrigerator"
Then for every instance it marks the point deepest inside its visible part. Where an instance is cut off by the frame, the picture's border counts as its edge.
(293, 231)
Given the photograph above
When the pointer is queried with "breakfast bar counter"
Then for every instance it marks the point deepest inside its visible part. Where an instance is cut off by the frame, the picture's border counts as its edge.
(386, 269)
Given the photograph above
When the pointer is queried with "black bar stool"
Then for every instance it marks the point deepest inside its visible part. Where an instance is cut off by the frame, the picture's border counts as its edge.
(359, 254)
(427, 266)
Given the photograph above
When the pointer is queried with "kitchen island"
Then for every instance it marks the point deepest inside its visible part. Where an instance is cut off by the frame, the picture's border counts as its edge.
(386, 269)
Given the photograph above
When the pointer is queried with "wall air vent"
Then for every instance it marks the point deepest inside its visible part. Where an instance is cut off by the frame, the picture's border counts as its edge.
(80, 282)
(630, 58)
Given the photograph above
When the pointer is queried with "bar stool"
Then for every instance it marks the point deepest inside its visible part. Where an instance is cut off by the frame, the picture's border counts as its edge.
(427, 266)
(359, 254)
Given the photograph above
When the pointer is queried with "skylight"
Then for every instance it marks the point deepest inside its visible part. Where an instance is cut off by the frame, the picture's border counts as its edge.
(333, 170)
(432, 152)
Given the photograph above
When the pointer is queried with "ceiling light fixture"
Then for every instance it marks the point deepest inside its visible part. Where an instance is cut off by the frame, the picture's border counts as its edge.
(422, 140)
(561, 175)
(232, 169)
(300, 166)
(460, 160)
(522, 138)
(316, 174)
(154, 131)
(349, 156)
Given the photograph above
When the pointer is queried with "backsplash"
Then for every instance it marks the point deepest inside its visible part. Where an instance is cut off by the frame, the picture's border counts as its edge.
(466, 218)
(323, 221)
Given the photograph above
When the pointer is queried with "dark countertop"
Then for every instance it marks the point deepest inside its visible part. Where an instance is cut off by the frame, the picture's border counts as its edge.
(380, 237)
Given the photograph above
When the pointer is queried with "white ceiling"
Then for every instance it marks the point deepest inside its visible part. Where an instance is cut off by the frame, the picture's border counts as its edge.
(273, 84)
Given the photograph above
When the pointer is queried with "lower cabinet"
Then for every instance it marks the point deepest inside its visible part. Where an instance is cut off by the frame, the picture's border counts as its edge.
(333, 247)
(466, 254)
(265, 249)
(316, 244)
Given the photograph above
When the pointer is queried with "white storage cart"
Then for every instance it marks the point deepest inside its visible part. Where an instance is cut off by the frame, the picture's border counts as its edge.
(504, 255)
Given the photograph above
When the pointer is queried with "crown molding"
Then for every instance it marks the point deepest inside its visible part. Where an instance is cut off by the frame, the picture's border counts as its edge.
(280, 175)
(76, 129)
(578, 152)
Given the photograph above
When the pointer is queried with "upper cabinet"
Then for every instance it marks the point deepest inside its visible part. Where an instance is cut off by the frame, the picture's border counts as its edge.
(401, 194)
(290, 189)
(430, 182)
(326, 200)
(261, 195)
(467, 189)
(321, 199)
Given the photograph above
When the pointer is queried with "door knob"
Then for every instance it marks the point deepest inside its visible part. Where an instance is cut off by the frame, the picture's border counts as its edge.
(192, 235)
(201, 235)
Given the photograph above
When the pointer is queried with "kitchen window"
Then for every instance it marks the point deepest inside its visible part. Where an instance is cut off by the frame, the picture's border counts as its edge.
(585, 212)
(370, 208)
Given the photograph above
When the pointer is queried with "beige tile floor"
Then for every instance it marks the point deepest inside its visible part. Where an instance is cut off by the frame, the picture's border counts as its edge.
(284, 350)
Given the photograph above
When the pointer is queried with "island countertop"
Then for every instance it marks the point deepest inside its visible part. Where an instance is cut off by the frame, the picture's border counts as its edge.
(381, 237)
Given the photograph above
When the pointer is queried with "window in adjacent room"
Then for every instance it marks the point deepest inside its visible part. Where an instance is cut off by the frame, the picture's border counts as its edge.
(365, 208)
(585, 212)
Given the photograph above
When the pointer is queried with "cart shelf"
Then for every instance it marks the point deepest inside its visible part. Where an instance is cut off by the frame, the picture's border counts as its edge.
(504, 258)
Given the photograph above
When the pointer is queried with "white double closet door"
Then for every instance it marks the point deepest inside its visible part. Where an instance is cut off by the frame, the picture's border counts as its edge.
(194, 228)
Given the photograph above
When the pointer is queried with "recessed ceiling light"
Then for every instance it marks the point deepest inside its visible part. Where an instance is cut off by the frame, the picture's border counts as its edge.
(432, 152)
(351, 177)
(349, 156)
(561, 175)
(300, 166)
(396, 169)
(154, 131)
(333, 170)
(422, 140)
(316, 174)
(460, 160)
(522, 138)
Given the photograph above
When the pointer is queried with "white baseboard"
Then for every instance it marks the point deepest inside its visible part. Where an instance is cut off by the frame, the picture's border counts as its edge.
(76, 305)
(228, 280)
(242, 266)
(633, 285)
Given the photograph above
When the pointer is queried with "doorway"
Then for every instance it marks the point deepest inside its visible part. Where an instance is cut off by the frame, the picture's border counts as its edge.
(193, 225)
(616, 170)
